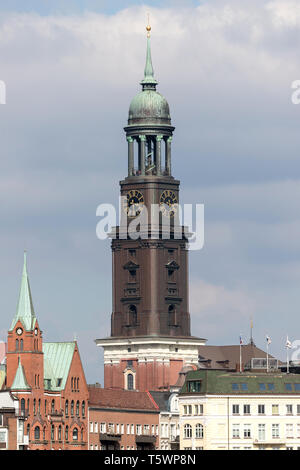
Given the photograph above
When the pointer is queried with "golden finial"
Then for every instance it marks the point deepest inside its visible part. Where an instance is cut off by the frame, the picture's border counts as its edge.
(148, 28)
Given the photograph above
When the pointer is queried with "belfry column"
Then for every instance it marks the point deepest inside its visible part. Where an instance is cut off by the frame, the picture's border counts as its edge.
(168, 155)
(130, 156)
(142, 153)
(158, 154)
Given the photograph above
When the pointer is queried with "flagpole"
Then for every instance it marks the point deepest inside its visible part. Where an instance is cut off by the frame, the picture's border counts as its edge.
(267, 356)
(287, 361)
(240, 357)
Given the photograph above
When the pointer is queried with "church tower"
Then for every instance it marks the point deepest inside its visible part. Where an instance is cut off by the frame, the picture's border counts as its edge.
(150, 338)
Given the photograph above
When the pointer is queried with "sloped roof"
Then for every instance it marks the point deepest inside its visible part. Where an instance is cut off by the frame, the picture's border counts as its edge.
(161, 399)
(25, 311)
(218, 382)
(57, 362)
(227, 357)
(20, 382)
(120, 399)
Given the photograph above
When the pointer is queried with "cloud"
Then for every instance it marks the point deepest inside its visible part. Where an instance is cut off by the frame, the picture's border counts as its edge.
(226, 68)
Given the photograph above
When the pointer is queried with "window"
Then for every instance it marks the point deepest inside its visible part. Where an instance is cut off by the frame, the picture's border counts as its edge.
(37, 433)
(271, 387)
(297, 387)
(289, 429)
(52, 406)
(52, 432)
(261, 432)
(102, 428)
(235, 431)
(194, 386)
(146, 429)
(75, 434)
(247, 431)
(77, 408)
(59, 432)
(298, 409)
(235, 387)
(246, 409)
(21, 345)
(275, 409)
(91, 427)
(96, 427)
(275, 431)
(187, 431)
(23, 405)
(72, 408)
(132, 429)
(289, 409)
(132, 314)
(67, 408)
(198, 410)
(130, 382)
(139, 429)
(288, 387)
(262, 387)
(199, 431)
(244, 387)
(235, 409)
(17, 345)
(261, 409)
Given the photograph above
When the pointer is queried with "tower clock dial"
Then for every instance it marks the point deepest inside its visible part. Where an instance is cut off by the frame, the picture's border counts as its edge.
(168, 202)
(19, 331)
(134, 203)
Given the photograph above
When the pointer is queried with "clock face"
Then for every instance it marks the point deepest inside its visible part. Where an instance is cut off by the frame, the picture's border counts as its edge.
(168, 203)
(36, 332)
(19, 331)
(134, 203)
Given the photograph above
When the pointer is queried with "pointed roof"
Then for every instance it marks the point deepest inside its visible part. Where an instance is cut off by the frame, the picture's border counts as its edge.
(25, 311)
(149, 81)
(20, 382)
(57, 362)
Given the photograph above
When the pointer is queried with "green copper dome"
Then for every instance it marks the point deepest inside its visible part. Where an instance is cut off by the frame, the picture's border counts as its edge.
(149, 106)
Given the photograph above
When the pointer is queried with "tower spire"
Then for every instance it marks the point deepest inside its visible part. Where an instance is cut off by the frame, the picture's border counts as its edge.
(149, 82)
(25, 311)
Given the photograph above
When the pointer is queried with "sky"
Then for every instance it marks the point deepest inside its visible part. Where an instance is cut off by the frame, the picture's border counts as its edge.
(226, 68)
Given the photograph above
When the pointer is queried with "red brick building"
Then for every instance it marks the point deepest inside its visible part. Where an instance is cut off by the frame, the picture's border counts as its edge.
(122, 420)
(48, 379)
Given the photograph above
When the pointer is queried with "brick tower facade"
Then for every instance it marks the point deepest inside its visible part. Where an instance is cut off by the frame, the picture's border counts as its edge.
(150, 325)
(49, 381)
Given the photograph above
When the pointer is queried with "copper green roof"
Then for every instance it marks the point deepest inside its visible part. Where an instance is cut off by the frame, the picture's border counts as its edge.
(20, 382)
(214, 382)
(57, 363)
(25, 311)
(149, 106)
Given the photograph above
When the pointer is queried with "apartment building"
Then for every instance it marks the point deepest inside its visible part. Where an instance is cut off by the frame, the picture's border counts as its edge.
(11, 423)
(240, 411)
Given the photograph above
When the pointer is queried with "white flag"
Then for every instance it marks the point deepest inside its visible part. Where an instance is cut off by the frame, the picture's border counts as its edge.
(288, 344)
(268, 339)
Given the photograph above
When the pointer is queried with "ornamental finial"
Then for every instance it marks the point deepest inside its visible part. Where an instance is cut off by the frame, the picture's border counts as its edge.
(148, 27)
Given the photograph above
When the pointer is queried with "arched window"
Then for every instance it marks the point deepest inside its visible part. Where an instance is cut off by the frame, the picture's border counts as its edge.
(81, 435)
(44, 434)
(172, 315)
(17, 345)
(67, 433)
(199, 431)
(67, 408)
(28, 429)
(39, 406)
(130, 382)
(59, 432)
(45, 407)
(75, 434)
(21, 345)
(83, 409)
(72, 382)
(34, 406)
(22, 404)
(52, 432)
(77, 408)
(72, 408)
(187, 431)
(78, 383)
(52, 406)
(132, 315)
(37, 433)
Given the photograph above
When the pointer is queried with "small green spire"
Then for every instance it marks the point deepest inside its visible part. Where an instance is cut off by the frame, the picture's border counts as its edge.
(149, 81)
(25, 311)
(20, 382)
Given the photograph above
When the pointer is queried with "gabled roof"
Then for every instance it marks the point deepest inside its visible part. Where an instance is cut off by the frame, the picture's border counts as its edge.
(161, 399)
(57, 362)
(25, 311)
(20, 382)
(120, 399)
